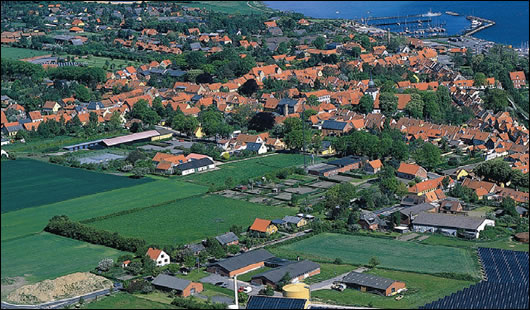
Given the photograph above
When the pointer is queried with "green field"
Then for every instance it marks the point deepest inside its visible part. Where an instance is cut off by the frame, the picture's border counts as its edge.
(190, 219)
(422, 289)
(21, 53)
(126, 301)
(232, 7)
(97, 61)
(246, 169)
(33, 220)
(29, 183)
(47, 256)
(401, 255)
(328, 271)
(505, 243)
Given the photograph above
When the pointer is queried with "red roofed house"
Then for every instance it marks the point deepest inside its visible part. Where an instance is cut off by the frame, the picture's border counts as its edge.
(411, 171)
(270, 24)
(373, 167)
(518, 79)
(261, 226)
(403, 100)
(160, 257)
(76, 29)
(35, 116)
(51, 107)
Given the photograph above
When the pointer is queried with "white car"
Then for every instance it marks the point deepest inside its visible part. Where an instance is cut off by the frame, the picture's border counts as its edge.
(247, 289)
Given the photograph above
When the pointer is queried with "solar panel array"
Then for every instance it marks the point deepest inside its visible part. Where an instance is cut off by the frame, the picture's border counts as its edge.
(265, 302)
(505, 284)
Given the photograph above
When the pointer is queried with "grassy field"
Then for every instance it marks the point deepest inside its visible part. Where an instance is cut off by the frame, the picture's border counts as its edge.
(505, 244)
(190, 219)
(30, 183)
(50, 256)
(33, 220)
(20, 53)
(391, 253)
(243, 170)
(97, 61)
(328, 271)
(422, 289)
(231, 7)
(126, 301)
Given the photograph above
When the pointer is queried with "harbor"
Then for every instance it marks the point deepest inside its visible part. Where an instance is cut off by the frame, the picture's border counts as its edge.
(478, 24)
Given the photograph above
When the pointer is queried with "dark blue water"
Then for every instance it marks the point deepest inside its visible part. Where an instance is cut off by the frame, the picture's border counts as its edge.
(511, 17)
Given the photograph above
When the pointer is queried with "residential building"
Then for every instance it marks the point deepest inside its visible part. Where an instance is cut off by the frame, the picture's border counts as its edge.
(411, 171)
(160, 257)
(298, 271)
(228, 239)
(450, 225)
(261, 226)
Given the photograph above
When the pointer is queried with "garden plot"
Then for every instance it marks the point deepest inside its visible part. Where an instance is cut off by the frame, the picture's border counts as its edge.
(299, 190)
(341, 178)
(322, 184)
(100, 158)
(284, 196)
(290, 182)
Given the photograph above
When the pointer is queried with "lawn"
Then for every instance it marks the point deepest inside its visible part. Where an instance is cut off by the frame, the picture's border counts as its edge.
(98, 61)
(231, 7)
(51, 256)
(29, 183)
(33, 220)
(126, 301)
(21, 53)
(328, 271)
(247, 276)
(422, 289)
(505, 243)
(190, 219)
(401, 255)
(243, 170)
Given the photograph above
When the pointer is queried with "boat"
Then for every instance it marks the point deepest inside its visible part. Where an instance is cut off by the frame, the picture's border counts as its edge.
(431, 14)
(337, 12)
(452, 13)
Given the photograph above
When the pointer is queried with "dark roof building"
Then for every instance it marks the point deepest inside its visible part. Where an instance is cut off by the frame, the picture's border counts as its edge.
(333, 125)
(240, 263)
(371, 283)
(227, 239)
(296, 270)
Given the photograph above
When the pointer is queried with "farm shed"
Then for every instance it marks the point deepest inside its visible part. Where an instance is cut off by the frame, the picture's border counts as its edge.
(132, 138)
(298, 271)
(373, 284)
(240, 263)
(183, 287)
(450, 224)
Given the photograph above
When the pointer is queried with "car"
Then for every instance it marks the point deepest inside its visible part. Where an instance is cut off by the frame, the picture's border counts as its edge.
(246, 289)
(338, 286)
(219, 283)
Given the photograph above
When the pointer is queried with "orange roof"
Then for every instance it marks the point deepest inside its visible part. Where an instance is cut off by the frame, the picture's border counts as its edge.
(270, 24)
(517, 75)
(76, 29)
(176, 159)
(31, 126)
(481, 192)
(408, 168)
(260, 225)
(153, 253)
(375, 164)
(4, 118)
(403, 100)
(164, 165)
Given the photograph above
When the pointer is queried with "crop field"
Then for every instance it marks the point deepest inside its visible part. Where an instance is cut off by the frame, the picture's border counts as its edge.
(422, 289)
(246, 169)
(21, 53)
(190, 219)
(126, 301)
(30, 183)
(391, 253)
(32, 220)
(47, 256)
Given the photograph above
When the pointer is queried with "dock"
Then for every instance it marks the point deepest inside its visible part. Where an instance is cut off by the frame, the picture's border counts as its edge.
(486, 24)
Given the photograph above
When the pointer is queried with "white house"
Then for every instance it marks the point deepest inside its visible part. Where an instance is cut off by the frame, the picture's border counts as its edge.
(259, 148)
(450, 224)
(195, 165)
(160, 257)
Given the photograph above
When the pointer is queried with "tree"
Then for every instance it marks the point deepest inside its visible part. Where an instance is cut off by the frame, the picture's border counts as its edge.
(135, 155)
(82, 93)
(320, 43)
(105, 264)
(366, 104)
(262, 121)
(204, 78)
(415, 106)
(185, 123)
(373, 262)
(480, 79)
(508, 205)
(142, 111)
(248, 88)
(428, 155)
(294, 139)
(496, 99)
(312, 100)
(214, 248)
(495, 170)
(388, 103)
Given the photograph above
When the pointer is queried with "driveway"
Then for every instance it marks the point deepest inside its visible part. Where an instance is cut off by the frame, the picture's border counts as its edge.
(326, 284)
(215, 278)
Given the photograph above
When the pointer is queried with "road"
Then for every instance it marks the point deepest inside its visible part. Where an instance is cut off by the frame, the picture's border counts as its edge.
(326, 284)
(61, 303)
(298, 234)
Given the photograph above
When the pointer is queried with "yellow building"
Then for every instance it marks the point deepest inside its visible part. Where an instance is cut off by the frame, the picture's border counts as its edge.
(327, 149)
(461, 174)
(199, 133)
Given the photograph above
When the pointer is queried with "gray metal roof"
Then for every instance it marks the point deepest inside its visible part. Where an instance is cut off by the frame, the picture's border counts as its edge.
(291, 219)
(367, 280)
(417, 209)
(294, 269)
(321, 168)
(194, 164)
(345, 161)
(227, 238)
(446, 220)
(287, 101)
(243, 260)
(171, 282)
(333, 125)
(252, 146)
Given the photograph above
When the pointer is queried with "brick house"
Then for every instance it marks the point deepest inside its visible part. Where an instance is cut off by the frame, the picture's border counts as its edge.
(411, 171)
(183, 288)
(241, 263)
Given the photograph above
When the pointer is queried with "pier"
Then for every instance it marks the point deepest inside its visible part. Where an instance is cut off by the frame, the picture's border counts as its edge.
(486, 24)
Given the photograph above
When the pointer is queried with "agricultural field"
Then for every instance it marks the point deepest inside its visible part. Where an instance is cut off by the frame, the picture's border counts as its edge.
(21, 53)
(422, 289)
(54, 256)
(189, 220)
(505, 243)
(242, 7)
(29, 183)
(401, 255)
(126, 301)
(32, 220)
(243, 170)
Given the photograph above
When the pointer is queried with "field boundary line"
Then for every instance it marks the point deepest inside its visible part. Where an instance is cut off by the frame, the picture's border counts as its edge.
(130, 211)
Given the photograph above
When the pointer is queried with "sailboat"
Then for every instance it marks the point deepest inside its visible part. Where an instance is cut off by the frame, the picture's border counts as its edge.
(431, 14)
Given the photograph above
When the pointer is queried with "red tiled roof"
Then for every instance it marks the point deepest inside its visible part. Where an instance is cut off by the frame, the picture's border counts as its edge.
(153, 253)
(260, 225)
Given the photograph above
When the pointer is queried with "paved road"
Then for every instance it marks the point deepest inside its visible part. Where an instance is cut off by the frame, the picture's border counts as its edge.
(61, 303)
(215, 278)
(326, 284)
